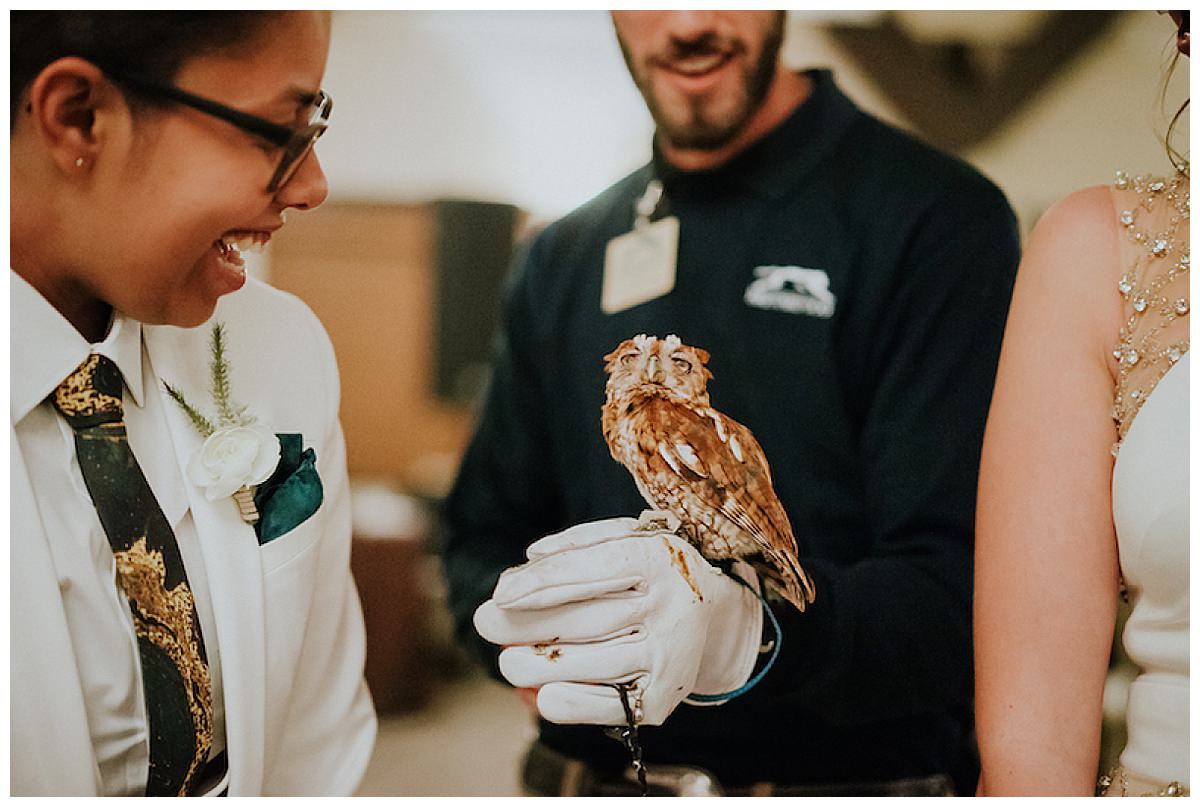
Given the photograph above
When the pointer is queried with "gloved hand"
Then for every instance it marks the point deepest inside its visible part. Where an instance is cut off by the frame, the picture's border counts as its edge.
(605, 603)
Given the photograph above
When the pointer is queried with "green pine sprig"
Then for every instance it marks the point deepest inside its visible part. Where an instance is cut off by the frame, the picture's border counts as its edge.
(202, 424)
(228, 413)
(219, 369)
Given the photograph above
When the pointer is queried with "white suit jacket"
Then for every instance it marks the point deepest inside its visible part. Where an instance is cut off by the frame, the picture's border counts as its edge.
(299, 719)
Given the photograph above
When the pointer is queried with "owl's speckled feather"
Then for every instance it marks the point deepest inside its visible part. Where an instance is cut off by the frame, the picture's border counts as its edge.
(688, 459)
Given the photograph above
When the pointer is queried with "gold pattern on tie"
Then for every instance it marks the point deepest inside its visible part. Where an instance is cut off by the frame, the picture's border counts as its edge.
(165, 617)
(77, 396)
(149, 568)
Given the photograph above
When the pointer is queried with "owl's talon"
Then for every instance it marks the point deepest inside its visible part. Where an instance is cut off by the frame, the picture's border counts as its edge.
(658, 521)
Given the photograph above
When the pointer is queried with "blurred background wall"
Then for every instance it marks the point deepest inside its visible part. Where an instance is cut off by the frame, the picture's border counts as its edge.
(455, 133)
(536, 109)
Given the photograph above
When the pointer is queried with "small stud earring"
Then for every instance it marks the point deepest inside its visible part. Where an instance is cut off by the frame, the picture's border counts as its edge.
(79, 162)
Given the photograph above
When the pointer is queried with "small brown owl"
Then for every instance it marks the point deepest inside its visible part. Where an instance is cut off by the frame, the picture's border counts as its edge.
(690, 460)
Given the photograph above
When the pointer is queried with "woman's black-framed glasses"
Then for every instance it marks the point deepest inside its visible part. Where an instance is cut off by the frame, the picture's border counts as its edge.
(296, 143)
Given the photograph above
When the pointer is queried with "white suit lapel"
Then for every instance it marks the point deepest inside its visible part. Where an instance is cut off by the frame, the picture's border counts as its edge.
(51, 747)
(231, 559)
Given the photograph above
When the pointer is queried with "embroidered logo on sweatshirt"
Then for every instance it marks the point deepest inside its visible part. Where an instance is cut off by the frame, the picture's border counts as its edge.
(793, 289)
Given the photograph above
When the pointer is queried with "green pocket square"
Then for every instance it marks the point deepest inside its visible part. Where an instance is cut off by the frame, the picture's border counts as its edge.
(291, 494)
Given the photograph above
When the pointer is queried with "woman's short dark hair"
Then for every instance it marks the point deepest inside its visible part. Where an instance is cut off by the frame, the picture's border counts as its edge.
(151, 44)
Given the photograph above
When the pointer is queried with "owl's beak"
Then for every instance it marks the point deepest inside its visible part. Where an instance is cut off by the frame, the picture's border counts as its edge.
(654, 370)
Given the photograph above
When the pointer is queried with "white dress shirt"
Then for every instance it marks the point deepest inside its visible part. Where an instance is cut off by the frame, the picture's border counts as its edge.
(45, 349)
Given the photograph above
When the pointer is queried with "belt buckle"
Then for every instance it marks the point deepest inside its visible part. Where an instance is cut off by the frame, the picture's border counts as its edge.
(678, 780)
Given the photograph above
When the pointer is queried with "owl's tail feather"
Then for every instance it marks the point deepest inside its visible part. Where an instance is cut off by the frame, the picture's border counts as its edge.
(784, 574)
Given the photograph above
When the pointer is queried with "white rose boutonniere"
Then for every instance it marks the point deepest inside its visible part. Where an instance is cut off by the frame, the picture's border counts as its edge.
(238, 453)
(233, 457)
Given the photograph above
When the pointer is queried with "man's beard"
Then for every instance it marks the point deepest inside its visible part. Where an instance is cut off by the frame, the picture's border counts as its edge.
(701, 128)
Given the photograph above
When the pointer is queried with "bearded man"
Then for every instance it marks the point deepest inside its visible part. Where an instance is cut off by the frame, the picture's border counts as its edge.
(850, 284)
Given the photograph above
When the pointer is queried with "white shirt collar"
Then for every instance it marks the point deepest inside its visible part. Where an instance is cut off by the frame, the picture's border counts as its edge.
(45, 348)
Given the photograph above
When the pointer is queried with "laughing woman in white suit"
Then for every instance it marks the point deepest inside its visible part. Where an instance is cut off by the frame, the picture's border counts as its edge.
(183, 620)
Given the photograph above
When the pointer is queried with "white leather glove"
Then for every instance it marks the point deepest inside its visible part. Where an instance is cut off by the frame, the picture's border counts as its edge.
(605, 603)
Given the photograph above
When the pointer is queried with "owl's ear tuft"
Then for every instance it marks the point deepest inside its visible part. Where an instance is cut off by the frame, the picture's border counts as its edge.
(702, 356)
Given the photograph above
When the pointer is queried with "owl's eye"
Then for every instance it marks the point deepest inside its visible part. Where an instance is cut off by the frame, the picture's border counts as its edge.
(682, 364)
(628, 359)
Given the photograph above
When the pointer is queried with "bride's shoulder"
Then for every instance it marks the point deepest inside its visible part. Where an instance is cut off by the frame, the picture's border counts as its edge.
(1076, 242)
(1070, 268)
(1080, 217)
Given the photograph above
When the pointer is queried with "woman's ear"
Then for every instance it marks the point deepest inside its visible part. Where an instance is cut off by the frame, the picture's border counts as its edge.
(65, 101)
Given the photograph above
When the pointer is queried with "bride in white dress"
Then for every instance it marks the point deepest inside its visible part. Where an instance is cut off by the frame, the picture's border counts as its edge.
(1083, 497)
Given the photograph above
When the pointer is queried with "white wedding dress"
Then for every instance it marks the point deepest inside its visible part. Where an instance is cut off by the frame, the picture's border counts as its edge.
(1150, 485)
(1150, 509)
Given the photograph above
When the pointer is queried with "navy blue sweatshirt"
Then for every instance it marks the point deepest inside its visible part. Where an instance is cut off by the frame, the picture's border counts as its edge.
(851, 285)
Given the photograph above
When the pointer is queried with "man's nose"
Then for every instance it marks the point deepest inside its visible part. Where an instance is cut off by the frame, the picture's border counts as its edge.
(688, 26)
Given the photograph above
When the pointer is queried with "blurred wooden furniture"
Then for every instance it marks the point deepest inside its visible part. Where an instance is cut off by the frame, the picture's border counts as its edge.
(370, 273)
(367, 270)
(387, 572)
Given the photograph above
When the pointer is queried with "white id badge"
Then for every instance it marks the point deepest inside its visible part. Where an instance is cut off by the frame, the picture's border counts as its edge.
(639, 266)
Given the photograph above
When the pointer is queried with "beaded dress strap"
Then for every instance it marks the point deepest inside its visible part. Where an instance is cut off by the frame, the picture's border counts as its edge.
(1153, 213)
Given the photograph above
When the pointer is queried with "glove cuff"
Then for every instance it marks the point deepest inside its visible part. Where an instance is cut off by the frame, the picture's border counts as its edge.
(733, 639)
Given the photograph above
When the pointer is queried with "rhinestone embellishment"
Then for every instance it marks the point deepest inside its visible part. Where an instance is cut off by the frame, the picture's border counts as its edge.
(1154, 287)
(1116, 781)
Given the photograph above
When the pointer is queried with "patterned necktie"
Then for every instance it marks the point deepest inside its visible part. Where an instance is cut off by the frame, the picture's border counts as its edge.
(150, 570)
